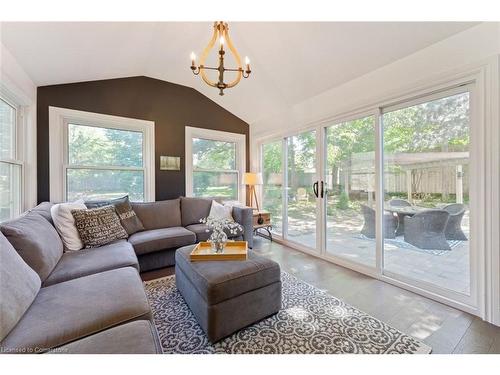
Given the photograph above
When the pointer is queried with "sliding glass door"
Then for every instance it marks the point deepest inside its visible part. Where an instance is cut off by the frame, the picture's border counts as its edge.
(387, 192)
(272, 190)
(426, 186)
(301, 189)
(350, 199)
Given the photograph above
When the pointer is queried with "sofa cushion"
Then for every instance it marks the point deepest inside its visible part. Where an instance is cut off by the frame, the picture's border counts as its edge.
(161, 214)
(86, 262)
(220, 281)
(74, 309)
(194, 209)
(139, 337)
(200, 230)
(64, 223)
(19, 285)
(161, 239)
(202, 235)
(44, 210)
(36, 241)
(98, 226)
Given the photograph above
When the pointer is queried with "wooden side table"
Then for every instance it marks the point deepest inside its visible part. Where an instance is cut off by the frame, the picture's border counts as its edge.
(262, 220)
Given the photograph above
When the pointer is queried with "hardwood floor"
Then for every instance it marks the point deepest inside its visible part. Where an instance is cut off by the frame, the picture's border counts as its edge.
(446, 329)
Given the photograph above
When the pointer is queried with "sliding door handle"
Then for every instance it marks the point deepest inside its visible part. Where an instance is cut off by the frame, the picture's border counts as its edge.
(315, 189)
(322, 189)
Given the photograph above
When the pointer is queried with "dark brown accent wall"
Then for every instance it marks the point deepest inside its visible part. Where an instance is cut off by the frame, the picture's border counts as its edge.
(172, 107)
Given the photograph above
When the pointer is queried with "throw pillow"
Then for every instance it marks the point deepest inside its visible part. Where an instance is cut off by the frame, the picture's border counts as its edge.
(98, 226)
(128, 218)
(19, 285)
(219, 211)
(65, 223)
(102, 203)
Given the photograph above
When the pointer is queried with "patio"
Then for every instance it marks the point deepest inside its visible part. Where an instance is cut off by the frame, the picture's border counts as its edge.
(446, 268)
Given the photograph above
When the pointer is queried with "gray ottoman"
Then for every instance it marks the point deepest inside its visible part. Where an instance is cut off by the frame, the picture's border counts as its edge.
(226, 296)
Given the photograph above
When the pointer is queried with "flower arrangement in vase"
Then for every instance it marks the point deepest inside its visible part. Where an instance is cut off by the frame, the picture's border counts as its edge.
(218, 226)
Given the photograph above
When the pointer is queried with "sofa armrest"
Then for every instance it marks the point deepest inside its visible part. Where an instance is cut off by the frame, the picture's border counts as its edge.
(244, 217)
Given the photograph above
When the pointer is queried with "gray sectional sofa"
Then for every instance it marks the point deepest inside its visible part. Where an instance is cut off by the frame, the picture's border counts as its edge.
(91, 300)
(174, 223)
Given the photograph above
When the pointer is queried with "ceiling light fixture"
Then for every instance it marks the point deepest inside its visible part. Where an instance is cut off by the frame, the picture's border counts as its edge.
(221, 33)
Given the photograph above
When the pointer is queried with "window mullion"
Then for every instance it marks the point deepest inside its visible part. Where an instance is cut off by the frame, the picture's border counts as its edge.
(104, 167)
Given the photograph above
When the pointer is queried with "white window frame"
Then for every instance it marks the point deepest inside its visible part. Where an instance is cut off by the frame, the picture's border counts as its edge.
(60, 118)
(216, 135)
(18, 144)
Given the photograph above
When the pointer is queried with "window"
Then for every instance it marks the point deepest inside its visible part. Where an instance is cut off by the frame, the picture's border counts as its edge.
(426, 180)
(104, 163)
(215, 163)
(103, 157)
(272, 190)
(10, 165)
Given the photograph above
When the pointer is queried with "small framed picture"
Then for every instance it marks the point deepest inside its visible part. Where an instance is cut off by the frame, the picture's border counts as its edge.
(170, 163)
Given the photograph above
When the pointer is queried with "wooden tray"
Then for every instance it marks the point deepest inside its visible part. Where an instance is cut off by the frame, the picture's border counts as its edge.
(235, 250)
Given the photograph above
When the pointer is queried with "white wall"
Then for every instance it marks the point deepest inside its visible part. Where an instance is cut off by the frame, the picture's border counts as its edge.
(476, 46)
(471, 46)
(15, 83)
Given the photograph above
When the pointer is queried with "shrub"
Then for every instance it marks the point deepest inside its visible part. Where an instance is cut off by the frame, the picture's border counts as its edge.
(343, 203)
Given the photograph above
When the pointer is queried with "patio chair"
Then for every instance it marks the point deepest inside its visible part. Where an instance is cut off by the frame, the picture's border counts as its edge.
(453, 230)
(368, 230)
(401, 216)
(399, 203)
(425, 230)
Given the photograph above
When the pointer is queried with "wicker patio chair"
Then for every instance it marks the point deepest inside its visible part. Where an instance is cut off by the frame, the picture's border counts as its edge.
(399, 203)
(401, 216)
(453, 230)
(425, 230)
(368, 230)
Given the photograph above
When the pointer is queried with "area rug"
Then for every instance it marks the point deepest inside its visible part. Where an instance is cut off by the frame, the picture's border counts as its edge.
(310, 322)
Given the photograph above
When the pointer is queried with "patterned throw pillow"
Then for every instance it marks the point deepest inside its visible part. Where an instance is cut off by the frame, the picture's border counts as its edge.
(130, 221)
(98, 226)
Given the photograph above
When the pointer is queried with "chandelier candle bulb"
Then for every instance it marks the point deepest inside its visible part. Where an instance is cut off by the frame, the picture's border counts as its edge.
(193, 59)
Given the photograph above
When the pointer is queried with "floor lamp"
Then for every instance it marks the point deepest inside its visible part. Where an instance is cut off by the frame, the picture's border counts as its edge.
(252, 179)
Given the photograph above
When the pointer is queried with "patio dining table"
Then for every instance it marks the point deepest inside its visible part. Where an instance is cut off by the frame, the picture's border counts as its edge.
(403, 211)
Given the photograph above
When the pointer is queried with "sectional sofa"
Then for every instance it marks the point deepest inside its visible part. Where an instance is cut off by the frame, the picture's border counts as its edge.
(174, 223)
(91, 300)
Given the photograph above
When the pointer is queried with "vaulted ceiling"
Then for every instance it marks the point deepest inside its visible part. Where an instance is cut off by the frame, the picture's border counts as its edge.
(290, 61)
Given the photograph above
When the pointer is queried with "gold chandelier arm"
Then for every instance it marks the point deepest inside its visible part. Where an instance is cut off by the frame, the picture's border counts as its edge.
(205, 78)
(236, 56)
(204, 56)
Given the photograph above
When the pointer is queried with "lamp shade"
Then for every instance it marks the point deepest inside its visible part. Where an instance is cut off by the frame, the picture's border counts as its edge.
(252, 179)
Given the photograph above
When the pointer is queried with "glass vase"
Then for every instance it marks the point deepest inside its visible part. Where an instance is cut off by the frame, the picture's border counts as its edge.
(218, 242)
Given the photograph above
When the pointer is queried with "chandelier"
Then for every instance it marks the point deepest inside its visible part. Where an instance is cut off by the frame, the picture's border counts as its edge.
(221, 33)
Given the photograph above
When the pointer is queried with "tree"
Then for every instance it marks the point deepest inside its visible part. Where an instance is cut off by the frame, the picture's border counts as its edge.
(438, 125)
(343, 141)
(208, 154)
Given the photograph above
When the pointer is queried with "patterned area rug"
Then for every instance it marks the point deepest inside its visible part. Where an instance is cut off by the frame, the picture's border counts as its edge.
(310, 322)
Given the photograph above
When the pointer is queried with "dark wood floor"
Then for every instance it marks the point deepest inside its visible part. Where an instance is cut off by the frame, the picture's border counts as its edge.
(446, 329)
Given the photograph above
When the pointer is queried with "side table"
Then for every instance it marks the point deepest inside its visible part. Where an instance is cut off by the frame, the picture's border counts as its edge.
(262, 220)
